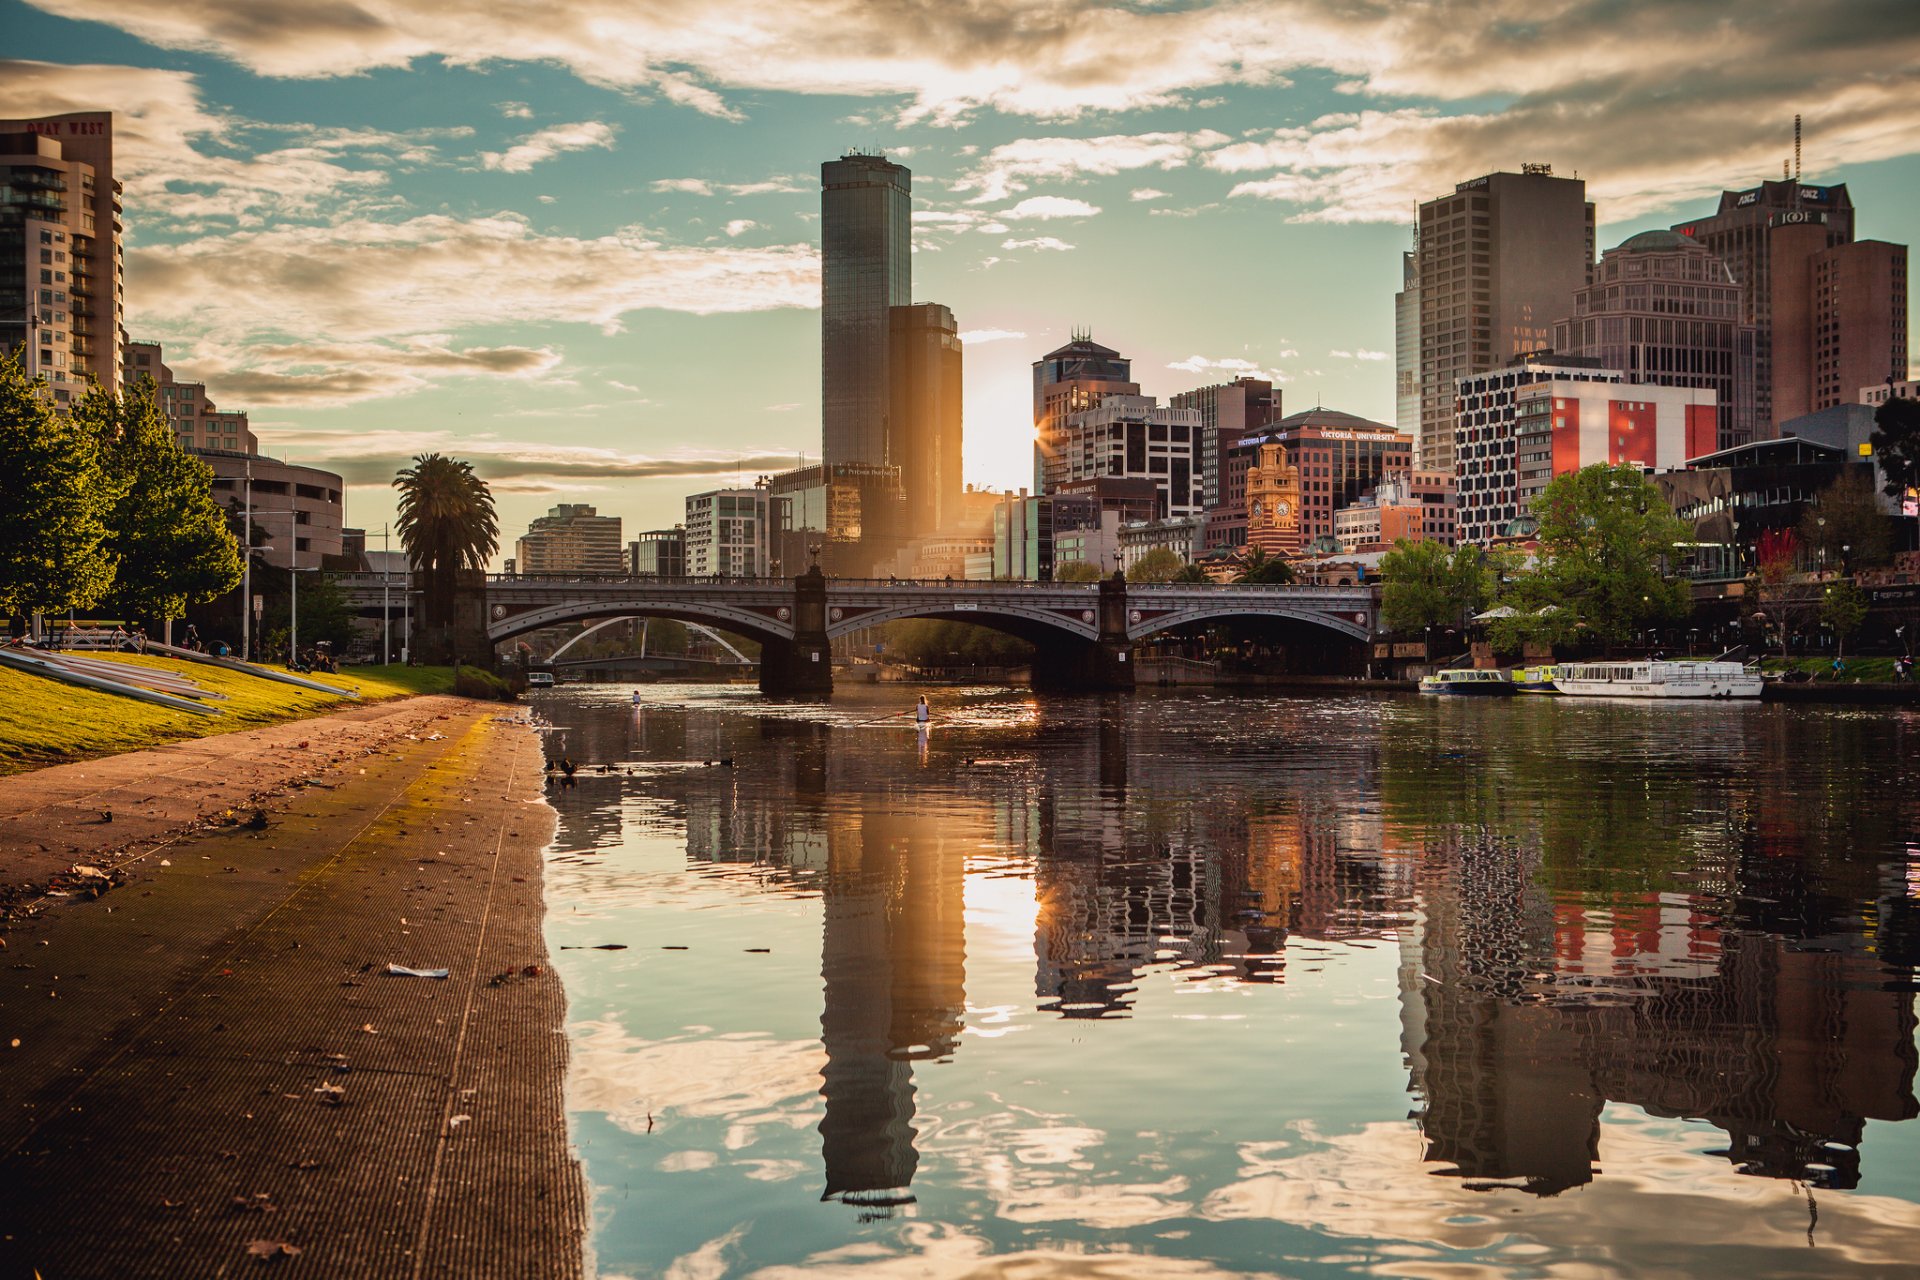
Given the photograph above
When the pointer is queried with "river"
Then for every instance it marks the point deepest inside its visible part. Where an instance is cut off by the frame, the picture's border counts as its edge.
(1191, 984)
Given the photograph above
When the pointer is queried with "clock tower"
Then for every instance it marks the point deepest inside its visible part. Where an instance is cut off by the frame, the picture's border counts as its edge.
(1273, 502)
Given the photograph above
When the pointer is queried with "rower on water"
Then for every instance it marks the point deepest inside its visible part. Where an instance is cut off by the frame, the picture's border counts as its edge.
(922, 713)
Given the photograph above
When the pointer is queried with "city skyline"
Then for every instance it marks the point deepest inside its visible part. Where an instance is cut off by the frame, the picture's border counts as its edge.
(609, 272)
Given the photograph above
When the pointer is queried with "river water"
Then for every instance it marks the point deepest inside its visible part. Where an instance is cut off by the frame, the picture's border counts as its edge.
(1195, 985)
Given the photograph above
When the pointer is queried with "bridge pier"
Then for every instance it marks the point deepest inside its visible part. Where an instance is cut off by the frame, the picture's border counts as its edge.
(1104, 665)
(801, 667)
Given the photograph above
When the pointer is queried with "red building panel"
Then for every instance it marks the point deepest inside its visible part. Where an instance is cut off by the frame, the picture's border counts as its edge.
(1703, 429)
(1632, 433)
(1566, 436)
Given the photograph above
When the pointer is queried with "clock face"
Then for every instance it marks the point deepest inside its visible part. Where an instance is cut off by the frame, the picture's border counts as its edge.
(1281, 509)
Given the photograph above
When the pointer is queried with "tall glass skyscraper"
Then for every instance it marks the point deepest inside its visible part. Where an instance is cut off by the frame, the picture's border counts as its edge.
(867, 267)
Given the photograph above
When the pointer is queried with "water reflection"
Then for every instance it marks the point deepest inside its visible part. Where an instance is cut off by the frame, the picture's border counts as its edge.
(1672, 909)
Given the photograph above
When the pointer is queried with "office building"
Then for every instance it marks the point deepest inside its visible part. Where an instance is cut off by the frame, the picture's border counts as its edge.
(571, 538)
(1415, 505)
(1228, 411)
(188, 407)
(866, 269)
(1486, 466)
(1339, 456)
(1033, 535)
(1183, 537)
(1665, 311)
(1499, 261)
(1767, 236)
(1563, 426)
(299, 516)
(1131, 437)
(924, 418)
(726, 533)
(1858, 326)
(1067, 381)
(61, 293)
(1892, 389)
(1406, 347)
(659, 553)
(846, 517)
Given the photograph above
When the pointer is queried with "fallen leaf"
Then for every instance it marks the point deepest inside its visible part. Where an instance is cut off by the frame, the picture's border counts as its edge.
(457, 1121)
(268, 1250)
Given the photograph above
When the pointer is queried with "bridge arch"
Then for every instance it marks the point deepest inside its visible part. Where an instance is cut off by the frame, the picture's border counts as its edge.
(1202, 613)
(1022, 621)
(744, 622)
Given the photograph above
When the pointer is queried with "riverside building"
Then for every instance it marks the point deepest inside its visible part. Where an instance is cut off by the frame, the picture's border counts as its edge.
(1499, 261)
(571, 538)
(866, 266)
(1228, 411)
(1133, 437)
(924, 414)
(1066, 381)
(189, 409)
(61, 274)
(726, 533)
(1339, 456)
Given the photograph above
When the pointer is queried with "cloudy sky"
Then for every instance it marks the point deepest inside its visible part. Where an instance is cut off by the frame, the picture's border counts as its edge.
(576, 240)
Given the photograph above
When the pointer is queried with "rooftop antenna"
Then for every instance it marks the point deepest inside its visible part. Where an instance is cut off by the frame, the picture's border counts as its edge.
(1082, 335)
(1786, 169)
(1796, 146)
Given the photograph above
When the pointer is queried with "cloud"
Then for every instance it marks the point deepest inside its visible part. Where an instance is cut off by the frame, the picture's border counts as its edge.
(515, 110)
(739, 226)
(685, 186)
(1361, 354)
(977, 337)
(1141, 194)
(787, 407)
(702, 187)
(373, 456)
(548, 143)
(1044, 243)
(1009, 168)
(1046, 208)
(1230, 367)
(318, 374)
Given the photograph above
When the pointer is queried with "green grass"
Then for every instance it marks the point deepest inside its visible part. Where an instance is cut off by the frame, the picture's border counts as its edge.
(46, 722)
(1865, 670)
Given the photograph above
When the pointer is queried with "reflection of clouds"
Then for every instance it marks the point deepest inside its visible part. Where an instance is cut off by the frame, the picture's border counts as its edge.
(1664, 1208)
(938, 1252)
(1046, 1173)
(748, 1079)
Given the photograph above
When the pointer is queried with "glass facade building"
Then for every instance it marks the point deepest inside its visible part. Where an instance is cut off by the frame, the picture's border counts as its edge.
(866, 268)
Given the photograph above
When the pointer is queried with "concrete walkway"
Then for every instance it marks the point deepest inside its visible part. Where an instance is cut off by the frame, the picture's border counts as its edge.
(208, 1068)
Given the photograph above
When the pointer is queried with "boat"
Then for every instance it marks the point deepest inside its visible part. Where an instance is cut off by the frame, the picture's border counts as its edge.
(1535, 680)
(539, 679)
(1468, 681)
(1657, 679)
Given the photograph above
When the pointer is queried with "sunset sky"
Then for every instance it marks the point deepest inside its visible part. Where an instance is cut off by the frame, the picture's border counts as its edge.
(575, 240)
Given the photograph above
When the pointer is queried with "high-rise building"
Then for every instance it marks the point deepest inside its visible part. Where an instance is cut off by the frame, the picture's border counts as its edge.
(189, 409)
(866, 264)
(1228, 411)
(727, 533)
(659, 553)
(60, 255)
(847, 518)
(1768, 235)
(571, 538)
(1499, 261)
(1067, 381)
(924, 419)
(1859, 330)
(1132, 437)
(1664, 310)
(1406, 348)
(1338, 457)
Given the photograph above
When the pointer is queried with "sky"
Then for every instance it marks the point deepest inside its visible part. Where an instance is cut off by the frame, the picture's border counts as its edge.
(576, 241)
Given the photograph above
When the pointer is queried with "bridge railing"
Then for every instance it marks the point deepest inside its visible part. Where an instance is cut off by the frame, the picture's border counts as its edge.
(944, 584)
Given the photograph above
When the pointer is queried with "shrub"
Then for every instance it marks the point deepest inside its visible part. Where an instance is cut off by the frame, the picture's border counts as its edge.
(472, 682)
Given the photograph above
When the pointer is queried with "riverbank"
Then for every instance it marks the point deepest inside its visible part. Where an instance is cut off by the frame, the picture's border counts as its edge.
(46, 722)
(209, 1060)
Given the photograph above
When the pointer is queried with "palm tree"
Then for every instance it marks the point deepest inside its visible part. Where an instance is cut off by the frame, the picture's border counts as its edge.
(446, 523)
(1260, 567)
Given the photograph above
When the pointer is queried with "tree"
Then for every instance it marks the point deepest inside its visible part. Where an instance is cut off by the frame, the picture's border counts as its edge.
(1076, 571)
(1843, 609)
(54, 502)
(1896, 444)
(1606, 536)
(446, 523)
(1158, 565)
(1260, 567)
(1191, 574)
(168, 534)
(1429, 585)
(1846, 523)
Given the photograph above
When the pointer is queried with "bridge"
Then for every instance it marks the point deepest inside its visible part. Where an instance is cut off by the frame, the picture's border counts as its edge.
(1083, 633)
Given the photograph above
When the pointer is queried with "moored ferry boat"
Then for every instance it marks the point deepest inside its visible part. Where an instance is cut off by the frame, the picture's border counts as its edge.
(1468, 681)
(1657, 680)
(1536, 680)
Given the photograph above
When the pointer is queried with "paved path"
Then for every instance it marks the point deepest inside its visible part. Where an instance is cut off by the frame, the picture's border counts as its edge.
(211, 1056)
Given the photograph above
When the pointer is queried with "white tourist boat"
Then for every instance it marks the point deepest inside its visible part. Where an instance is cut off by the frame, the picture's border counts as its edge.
(1657, 680)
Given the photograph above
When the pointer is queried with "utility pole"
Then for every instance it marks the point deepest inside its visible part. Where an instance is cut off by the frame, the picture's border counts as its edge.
(246, 572)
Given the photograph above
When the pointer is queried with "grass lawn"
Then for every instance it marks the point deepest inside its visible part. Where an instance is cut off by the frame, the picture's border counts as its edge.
(45, 721)
(1865, 670)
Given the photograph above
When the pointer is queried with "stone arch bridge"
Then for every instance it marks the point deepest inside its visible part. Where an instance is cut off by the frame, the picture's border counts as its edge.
(1083, 633)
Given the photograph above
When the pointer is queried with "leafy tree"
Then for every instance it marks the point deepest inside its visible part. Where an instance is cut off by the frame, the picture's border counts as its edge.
(1605, 537)
(932, 642)
(446, 523)
(1896, 443)
(55, 552)
(168, 534)
(1191, 574)
(1843, 609)
(1076, 571)
(1426, 585)
(1846, 522)
(1158, 565)
(1261, 567)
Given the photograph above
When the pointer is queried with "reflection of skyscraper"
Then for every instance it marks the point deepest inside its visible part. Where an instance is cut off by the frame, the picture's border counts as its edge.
(866, 267)
(892, 958)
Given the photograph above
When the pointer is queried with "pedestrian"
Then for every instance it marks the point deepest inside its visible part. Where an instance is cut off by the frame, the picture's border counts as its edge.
(193, 637)
(1839, 667)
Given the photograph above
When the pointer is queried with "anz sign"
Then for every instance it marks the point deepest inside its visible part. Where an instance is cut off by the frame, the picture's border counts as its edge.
(1813, 195)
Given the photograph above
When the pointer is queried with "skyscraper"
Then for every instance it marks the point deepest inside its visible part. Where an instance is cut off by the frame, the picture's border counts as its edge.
(866, 268)
(60, 256)
(1499, 261)
(1066, 381)
(923, 418)
(1406, 349)
(1664, 310)
(571, 538)
(1228, 411)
